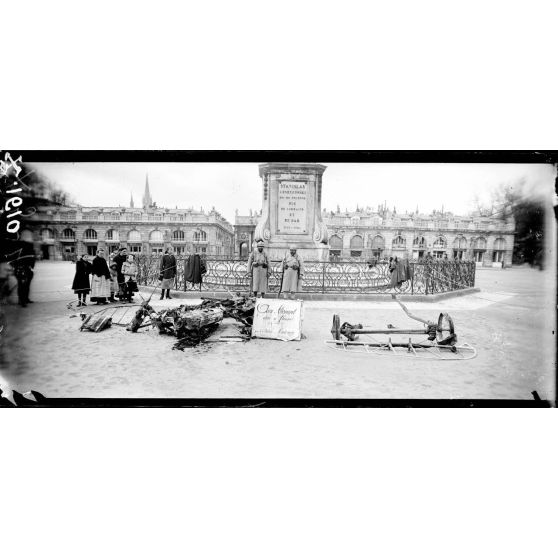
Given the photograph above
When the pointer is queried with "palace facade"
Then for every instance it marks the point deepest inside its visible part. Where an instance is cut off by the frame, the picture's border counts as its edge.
(62, 232)
(367, 234)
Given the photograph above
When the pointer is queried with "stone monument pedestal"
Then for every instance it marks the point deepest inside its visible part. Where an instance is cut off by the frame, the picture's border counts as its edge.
(292, 210)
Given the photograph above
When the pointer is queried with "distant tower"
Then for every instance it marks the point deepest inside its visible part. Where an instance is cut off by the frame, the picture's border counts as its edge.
(147, 201)
(131, 200)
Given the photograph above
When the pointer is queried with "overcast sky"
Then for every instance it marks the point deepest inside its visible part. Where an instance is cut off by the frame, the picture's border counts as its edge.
(230, 186)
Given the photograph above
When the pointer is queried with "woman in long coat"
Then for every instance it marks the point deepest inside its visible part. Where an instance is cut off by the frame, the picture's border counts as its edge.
(258, 267)
(100, 279)
(293, 271)
(401, 272)
(81, 285)
(168, 273)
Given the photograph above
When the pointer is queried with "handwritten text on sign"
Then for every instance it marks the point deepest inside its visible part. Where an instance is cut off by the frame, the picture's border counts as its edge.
(291, 214)
(277, 319)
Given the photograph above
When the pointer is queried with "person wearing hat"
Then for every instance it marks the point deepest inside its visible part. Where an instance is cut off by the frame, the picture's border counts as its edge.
(100, 279)
(293, 271)
(258, 267)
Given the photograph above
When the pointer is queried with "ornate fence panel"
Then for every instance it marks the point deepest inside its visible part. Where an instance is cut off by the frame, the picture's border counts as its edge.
(322, 277)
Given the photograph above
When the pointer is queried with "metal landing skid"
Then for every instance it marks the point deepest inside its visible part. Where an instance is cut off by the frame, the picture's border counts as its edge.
(440, 344)
(420, 351)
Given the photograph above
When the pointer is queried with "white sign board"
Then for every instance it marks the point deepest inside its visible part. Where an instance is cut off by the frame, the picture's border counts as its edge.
(291, 210)
(278, 319)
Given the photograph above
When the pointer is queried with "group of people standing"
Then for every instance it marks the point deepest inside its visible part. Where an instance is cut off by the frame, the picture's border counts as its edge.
(118, 280)
(259, 270)
(293, 271)
(108, 282)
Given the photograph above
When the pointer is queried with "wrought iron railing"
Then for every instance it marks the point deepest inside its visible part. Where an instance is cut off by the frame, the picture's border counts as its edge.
(427, 277)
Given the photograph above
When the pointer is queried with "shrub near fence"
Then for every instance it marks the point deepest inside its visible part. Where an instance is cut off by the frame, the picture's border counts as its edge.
(437, 276)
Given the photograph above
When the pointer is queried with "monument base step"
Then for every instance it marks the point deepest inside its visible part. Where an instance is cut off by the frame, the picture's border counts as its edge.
(197, 294)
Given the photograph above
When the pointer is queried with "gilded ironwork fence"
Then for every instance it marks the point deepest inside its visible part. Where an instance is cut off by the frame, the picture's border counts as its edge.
(427, 277)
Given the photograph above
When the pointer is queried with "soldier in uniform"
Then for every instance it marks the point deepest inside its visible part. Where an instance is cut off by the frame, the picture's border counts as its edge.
(293, 271)
(258, 267)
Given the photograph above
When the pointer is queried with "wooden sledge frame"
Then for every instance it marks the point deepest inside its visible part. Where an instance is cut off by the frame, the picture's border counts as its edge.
(441, 343)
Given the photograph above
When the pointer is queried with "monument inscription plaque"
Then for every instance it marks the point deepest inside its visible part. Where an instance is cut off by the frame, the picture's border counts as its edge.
(292, 206)
(291, 210)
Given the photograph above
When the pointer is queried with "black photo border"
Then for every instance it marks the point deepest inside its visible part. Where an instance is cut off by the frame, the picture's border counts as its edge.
(262, 156)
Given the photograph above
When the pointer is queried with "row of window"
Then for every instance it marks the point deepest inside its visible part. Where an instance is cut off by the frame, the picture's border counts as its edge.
(133, 235)
(419, 224)
(478, 255)
(94, 216)
(399, 242)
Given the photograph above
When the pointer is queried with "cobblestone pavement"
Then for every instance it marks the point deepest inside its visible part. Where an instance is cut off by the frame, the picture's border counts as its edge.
(510, 322)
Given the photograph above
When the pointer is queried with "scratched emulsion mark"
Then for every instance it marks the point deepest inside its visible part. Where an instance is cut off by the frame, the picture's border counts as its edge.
(11, 213)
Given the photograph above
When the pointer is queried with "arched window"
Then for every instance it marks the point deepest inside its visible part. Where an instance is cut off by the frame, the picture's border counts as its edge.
(460, 243)
(90, 234)
(91, 216)
(499, 244)
(113, 235)
(26, 235)
(499, 250)
(335, 243)
(398, 242)
(439, 247)
(47, 234)
(200, 236)
(419, 243)
(134, 236)
(440, 243)
(156, 236)
(68, 234)
(178, 236)
(335, 246)
(377, 243)
(479, 243)
(479, 249)
(357, 244)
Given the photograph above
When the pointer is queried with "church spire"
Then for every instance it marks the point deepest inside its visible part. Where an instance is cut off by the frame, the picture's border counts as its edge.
(147, 201)
(131, 200)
